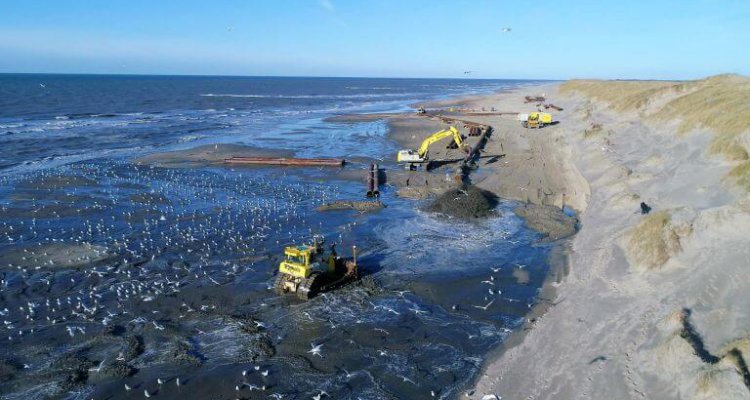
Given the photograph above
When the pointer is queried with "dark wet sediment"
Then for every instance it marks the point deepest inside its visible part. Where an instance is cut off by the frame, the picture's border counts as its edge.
(172, 282)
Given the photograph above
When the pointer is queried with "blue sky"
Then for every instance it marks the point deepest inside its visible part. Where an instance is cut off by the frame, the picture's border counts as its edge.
(667, 39)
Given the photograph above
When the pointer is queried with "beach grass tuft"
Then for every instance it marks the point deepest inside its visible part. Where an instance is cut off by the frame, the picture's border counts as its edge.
(652, 241)
(741, 175)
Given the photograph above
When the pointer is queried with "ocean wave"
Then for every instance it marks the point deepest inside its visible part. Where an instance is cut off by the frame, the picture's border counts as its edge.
(96, 115)
(54, 161)
(190, 138)
(309, 96)
(371, 88)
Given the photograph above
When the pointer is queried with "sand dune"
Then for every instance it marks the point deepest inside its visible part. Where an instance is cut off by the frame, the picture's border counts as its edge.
(655, 306)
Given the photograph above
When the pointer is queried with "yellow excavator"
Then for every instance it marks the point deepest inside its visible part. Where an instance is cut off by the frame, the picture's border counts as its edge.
(308, 269)
(413, 159)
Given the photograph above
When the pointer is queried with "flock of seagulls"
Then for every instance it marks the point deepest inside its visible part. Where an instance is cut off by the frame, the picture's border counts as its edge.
(137, 235)
(134, 244)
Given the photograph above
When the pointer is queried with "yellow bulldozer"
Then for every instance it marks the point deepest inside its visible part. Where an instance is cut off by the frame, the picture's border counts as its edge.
(535, 120)
(308, 269)
(413, 159)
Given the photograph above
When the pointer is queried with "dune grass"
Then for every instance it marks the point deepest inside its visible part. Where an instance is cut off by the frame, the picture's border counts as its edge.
(651, 243)
(593, 130)
(621, 95)
(741, 175)
(719, 103)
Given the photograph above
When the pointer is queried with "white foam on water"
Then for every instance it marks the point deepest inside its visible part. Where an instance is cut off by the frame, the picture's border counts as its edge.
(310, 96)
(58, 161)
(432, 243)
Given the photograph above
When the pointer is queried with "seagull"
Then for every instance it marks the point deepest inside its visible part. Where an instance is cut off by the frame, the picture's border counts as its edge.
(146, 393)
(264, 373)
(127, 387)
(506, 30)
(99, 368)
(316, 350)
(486, 306)
(496, 270)
(42, 85)
(418, 311)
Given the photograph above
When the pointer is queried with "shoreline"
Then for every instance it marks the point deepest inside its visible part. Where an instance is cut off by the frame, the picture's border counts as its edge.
(408, 129)
(508, 136)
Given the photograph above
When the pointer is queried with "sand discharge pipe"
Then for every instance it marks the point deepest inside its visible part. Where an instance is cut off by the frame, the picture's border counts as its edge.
(372, 181)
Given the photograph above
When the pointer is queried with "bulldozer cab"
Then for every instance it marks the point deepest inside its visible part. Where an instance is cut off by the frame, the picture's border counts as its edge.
(297, 258)
(300, 261)
(307, 269)
(296, 261)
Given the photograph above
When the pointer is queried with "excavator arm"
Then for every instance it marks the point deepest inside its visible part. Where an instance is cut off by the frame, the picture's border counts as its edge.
(435, 137)
(411, 158)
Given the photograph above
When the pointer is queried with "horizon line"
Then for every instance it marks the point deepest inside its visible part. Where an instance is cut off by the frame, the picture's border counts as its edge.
(177, 75)
(265, 76)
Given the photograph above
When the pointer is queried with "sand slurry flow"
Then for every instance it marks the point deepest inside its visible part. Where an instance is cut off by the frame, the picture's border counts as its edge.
(654, 306)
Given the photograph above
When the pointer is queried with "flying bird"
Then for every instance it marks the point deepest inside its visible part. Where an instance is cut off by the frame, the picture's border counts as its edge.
(485, 307)
(316, 349)
(506, 30)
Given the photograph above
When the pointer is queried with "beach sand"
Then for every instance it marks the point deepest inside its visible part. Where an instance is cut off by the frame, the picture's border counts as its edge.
(655, 306)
